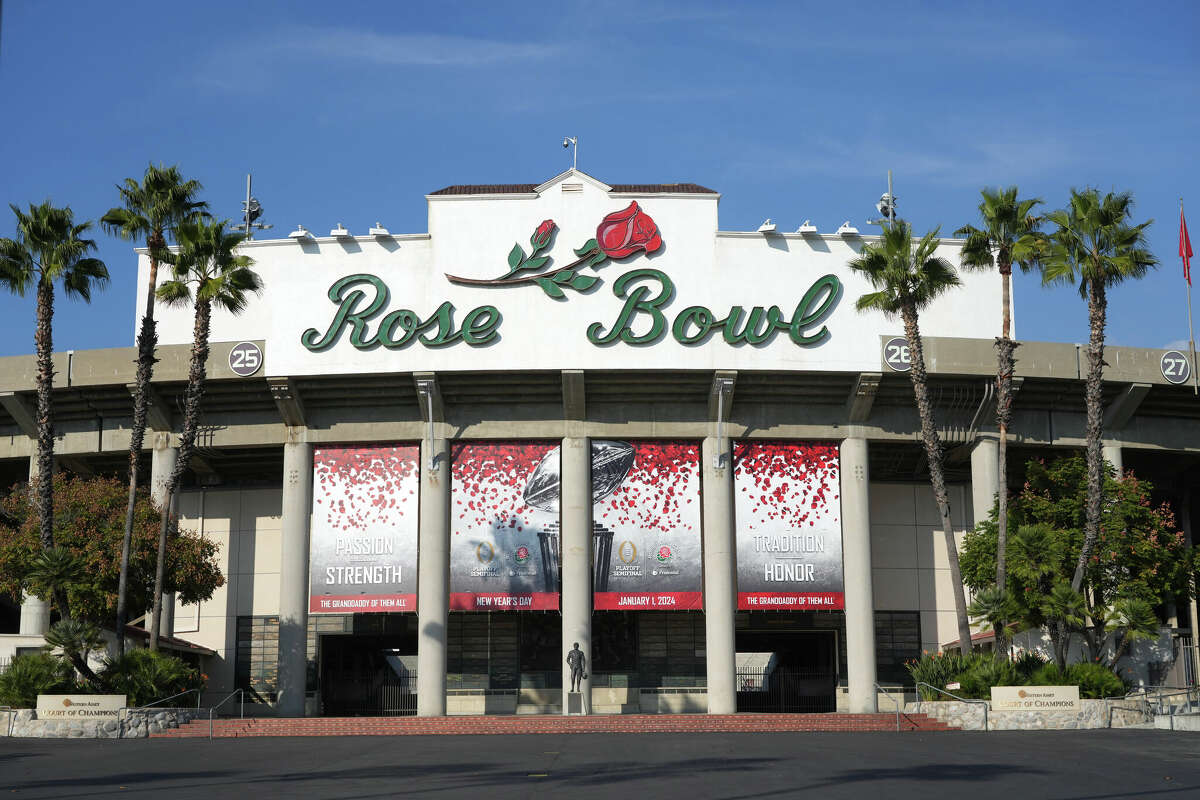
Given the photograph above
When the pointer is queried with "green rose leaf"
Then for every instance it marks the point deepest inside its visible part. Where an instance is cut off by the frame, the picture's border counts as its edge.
(563, 275)
(535, 263)
(549, 287)
(581, 283)
(590, 244)
(597, 259)
(515, 256)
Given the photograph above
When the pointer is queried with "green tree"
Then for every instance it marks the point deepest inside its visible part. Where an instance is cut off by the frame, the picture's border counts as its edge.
(907, 277)
(1008, 236)
(73, 641)
(1140, 555)
(207, 269)
(1094, 246)
(49, 248)
(89, 525)
(149, 211)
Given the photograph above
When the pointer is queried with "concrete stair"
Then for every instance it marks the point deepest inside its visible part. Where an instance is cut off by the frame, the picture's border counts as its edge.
(511, 724)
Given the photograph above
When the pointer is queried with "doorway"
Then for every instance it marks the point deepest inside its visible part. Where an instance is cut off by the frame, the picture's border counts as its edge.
(787, 671)
(368, 676)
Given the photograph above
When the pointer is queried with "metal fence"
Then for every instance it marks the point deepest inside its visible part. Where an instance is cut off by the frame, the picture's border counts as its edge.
(787, 690)
(384, 694)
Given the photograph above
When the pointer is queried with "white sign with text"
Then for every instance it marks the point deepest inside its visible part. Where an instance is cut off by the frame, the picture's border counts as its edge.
(79, 706)
(1035, 698)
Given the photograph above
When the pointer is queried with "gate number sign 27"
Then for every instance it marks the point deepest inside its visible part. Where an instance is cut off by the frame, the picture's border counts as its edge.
(896, 354)
(1175, 366)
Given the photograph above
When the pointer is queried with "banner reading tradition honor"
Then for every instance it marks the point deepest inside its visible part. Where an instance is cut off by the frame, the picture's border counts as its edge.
(504, 545)
(646, 525)
(789, 530)
(363, 542)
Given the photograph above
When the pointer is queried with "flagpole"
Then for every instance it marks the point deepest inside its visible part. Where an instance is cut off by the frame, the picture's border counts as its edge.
(1191, 335)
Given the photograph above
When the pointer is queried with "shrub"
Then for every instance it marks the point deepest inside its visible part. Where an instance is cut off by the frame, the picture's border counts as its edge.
(938, 669)
(1048, 675)
(979, 678)
(1029, 662)
(32, 674)
(1095, 681)
(144, 676)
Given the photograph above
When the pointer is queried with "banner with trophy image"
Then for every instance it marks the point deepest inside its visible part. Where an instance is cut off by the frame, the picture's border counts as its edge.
(646, 541)
(363, 538)
(789, 532)
(504, 542)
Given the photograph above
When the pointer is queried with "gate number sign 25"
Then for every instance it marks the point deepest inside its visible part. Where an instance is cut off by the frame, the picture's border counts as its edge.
(1175, 366)
(245, 358)
(896, 354)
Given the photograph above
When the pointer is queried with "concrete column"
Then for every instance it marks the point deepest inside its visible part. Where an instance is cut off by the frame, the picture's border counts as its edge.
(720, 578)
(1112, 454)
(856, 554)
(35, 612)
(293, 574)
(433, 579)
(576, 535)
(985, 477)
(162, 463)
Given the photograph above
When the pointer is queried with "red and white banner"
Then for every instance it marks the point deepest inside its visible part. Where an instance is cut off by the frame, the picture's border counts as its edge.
(504, 542)
(789, 531)
(646, 525)
(363, 539)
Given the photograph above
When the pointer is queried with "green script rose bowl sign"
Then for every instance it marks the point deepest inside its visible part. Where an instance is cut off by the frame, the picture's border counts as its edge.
(591, 279)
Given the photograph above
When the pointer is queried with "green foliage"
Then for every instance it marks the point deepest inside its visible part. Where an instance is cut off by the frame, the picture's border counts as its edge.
(1095, 681)
(1029, 662)
(148, 675)
(89, 523)
(49, 247)
(1009, 233)
(151, 209)
(939, 669)
(31, 674)
(905, 274)
(992, 606)
(1093, 244)
(979, 678)
(207, 268)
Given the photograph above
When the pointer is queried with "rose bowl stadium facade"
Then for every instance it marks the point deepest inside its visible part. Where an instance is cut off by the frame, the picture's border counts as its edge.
(582, 413)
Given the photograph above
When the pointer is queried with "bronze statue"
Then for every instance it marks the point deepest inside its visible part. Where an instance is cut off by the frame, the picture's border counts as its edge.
(577, 661)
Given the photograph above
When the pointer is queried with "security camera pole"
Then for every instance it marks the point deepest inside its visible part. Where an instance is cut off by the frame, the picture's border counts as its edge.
(251, 211)
(567, 142)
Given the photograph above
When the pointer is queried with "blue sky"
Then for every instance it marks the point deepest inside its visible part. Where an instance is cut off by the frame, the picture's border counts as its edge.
(353, 111)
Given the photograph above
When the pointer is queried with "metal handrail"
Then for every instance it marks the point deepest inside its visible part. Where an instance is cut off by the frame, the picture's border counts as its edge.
(983, 703)
(888, 695)
(241, 709)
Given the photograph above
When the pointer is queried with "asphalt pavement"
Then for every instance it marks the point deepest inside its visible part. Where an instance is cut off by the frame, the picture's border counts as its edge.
(1065, 765)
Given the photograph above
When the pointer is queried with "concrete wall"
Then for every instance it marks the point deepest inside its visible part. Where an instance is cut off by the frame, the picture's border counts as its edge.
(246, 526)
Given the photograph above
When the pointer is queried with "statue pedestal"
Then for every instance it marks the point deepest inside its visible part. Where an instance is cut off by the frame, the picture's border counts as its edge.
(575, 704)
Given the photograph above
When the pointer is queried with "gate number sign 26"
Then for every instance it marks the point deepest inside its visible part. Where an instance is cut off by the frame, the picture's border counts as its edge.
(1175, 366)
(245, 358)
(896, 354)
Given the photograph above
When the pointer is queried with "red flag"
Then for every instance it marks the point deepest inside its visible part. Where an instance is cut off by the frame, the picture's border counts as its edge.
(1185, 248)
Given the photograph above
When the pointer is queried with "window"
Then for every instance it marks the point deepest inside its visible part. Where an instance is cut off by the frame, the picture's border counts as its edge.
(257, 664)
(897, 641)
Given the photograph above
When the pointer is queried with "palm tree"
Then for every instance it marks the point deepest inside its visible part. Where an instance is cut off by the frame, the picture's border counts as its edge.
(207, 270)
(1009, 236)
(151, 211)
(907, 277)
(1093, 245)
(49, 248)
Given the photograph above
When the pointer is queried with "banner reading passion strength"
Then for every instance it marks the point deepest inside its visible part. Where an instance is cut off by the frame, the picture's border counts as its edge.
(504, 545)
(789, 531)
(646, 525)
(363, 540)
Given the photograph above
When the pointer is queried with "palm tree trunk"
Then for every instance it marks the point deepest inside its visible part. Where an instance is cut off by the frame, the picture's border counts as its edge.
(1004, 374)
(146, 343)
(44, 341)
(1097, 309)
(933, 452)
(187, 443)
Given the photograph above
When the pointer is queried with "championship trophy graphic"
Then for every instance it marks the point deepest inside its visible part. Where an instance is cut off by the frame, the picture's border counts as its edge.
(611, 462)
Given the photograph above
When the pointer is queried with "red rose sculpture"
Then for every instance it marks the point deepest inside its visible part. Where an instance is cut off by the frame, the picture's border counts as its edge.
(625, 232)
(541, 237)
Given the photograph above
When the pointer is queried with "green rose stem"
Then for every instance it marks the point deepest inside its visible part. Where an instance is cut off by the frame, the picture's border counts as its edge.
(524, 278)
